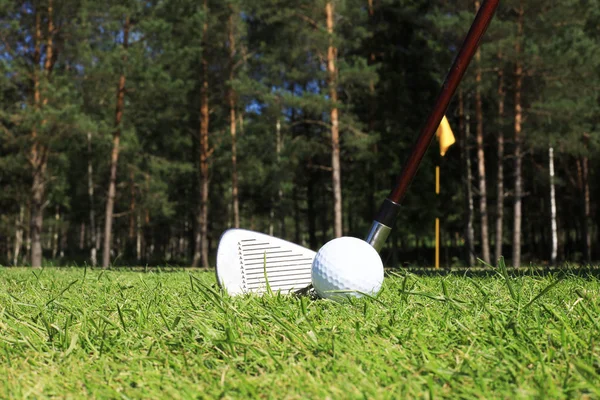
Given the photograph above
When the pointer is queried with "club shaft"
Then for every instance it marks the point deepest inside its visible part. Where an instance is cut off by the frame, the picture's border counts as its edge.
(390, 208)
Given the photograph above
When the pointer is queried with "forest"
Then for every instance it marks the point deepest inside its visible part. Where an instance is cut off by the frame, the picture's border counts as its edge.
(136, 132)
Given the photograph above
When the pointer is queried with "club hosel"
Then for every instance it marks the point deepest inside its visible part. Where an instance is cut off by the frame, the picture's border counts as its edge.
(383, 223)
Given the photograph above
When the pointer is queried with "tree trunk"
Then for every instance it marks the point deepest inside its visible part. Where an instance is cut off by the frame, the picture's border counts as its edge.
(35, 206)
(485, 238)
(131, 244)
(147, 239)
(335, 133)
(271, 217)
(277, 206)
(278, 148)
(372, 117)
(93, 234)
(19, 235)
(201, 245)
(82, 229)
(131, 230)
(27, 252)
(464, 129)
(516, 256)
(39, 151)
(587, 234)
(138, 238)
(232, 124)
(62, 245)
(310, 204)
(554, 254)
(500, 176)
(114, 159)
(182, 242)
(297, 234)
(55, 236)
(8, 247)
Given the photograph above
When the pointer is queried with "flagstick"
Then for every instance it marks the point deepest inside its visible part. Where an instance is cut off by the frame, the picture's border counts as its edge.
(446, 139)
(437, 220)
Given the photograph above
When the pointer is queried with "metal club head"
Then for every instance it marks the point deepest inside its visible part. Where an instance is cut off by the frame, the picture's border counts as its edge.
(247, 260)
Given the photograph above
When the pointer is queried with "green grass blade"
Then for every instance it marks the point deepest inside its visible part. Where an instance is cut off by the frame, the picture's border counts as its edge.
(543, 292)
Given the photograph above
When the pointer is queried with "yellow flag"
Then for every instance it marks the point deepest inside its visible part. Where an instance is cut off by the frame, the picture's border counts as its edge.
(445, 136)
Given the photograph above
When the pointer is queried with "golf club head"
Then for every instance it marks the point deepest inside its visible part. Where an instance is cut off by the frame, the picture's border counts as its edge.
(247, 260)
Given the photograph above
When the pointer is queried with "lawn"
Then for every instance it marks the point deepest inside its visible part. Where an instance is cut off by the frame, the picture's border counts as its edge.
(81, 333)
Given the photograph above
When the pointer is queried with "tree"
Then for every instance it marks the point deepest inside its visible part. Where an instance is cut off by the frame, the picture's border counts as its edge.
(518, 142)
(501, 93)
(39, 149)
(554, 253)
(114, 158)
(232, 23)
(485, 243)
(201, 244)
(39, 110)
(335, 130)
(464, 132)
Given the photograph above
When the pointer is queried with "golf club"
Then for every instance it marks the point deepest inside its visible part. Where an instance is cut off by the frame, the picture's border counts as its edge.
(247, 261)
(388, 212)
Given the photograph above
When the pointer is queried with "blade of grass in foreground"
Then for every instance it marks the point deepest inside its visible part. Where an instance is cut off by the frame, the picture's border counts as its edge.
(543, 292)
(506, 277)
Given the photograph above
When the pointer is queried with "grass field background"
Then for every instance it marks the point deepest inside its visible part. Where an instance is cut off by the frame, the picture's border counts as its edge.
(80, 333)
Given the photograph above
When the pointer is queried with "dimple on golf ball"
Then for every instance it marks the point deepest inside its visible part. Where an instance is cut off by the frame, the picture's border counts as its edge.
(347, 266)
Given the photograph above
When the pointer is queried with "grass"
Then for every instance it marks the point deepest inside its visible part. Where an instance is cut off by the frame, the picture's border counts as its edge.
(75, 333)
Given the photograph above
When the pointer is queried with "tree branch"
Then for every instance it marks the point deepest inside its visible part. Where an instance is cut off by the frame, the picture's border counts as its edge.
(310, 21)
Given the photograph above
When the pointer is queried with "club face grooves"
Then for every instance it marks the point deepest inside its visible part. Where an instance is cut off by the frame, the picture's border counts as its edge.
(286, 269)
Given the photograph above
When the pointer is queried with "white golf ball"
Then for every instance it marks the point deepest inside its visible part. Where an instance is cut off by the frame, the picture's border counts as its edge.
(347, 264)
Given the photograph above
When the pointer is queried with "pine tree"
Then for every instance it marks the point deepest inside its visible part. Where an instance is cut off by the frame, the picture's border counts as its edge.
(485, 244)
(501, 93)
(518, 140)
(233, 22)
(114, 159)
(201, 249)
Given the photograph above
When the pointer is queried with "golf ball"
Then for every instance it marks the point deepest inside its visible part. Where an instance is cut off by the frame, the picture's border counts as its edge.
(347, 266)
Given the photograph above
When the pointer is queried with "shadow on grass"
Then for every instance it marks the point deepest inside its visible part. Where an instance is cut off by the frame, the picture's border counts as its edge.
(486, 271)
(479, 271)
